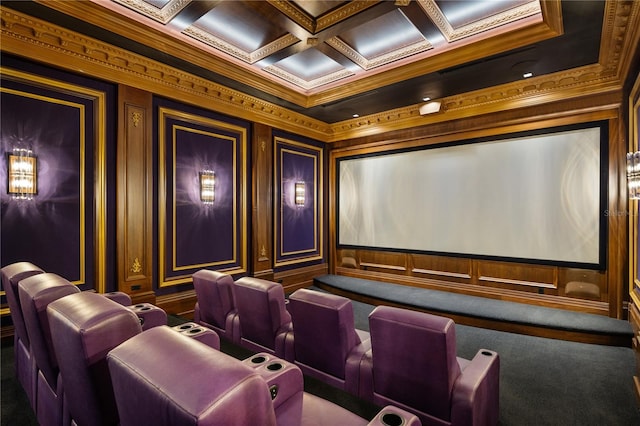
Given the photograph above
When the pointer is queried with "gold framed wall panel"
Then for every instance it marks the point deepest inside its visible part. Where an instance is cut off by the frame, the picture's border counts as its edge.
(173, 272)
(285, 214)
(99, 178)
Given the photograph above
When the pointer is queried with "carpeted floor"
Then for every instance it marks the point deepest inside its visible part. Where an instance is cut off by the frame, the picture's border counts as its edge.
(542, 381)
(551, 382)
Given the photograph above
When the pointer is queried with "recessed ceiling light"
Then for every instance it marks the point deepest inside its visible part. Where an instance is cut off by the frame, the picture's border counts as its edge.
(527, 74)
(426, 99)
(356, 115)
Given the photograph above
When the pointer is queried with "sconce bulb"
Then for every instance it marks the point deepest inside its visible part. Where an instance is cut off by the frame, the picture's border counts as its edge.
(207, 186)
(299, 194)
(22, 176)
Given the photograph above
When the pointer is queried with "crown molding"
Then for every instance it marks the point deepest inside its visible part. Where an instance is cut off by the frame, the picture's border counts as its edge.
(42, 41)
(57, 46)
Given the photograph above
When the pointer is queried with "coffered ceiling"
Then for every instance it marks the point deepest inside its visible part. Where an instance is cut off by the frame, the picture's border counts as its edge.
(334, 60)
(309, 46)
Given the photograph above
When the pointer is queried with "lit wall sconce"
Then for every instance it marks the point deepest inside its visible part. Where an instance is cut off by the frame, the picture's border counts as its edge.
(207, 186)
(299, 190)
(22, 173)
(633, 175)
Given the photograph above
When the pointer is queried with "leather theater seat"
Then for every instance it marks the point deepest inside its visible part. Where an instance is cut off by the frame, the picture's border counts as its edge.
(265, 324)
(161, 377)
(36, 293)
(414, 366)
(25, 364)
(84, 328)
(216, 305)
(327, 345)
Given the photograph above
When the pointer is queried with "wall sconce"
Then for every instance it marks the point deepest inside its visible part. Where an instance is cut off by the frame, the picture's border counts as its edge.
(633, 175)
(207, 186)
(299, 191)
(22, 174)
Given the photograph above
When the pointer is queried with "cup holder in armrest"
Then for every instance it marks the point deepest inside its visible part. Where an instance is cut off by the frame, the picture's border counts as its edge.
(195, 330)
(258, 359)
(275, 366)
(186, 326)
(392, 419)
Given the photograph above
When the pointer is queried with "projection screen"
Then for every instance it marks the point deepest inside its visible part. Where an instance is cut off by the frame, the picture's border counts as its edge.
(529, 197)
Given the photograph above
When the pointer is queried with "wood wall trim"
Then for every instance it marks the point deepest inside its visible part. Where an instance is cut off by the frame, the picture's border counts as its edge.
(262, 200)
(134, 188)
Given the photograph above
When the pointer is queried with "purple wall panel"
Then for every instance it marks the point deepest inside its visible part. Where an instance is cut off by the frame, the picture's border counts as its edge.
(47, 230)
(204, 233)
(298, 228)
(197, 235)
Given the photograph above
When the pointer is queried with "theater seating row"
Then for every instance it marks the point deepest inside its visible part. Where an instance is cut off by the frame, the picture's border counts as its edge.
(408, 359)
(97, 364)
(29, 290)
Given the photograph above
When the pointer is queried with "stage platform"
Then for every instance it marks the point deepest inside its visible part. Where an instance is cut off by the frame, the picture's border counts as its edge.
(485, 312)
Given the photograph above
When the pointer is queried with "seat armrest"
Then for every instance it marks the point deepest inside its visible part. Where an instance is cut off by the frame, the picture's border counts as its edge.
(391, 415)
(232, 326)
(365, 390)
(196, 313)
(476, 393)
(353, 366)
(284, 342)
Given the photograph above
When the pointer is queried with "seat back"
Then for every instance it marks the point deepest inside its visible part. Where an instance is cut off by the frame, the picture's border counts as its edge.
(414, 359)
(262, 311)
(11, 276)
(162, 377)
(85, 327)
(324, 330)
(216, 299)
(36, 293)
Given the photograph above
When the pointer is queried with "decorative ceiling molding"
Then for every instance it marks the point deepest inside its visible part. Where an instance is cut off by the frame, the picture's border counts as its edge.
(188, 48)
(307, 84)
(367, 64)
(452, 34)
(248, 57)
(164, 14)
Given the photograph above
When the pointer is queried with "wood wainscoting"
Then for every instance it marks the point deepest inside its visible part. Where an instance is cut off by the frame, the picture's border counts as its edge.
(539, 285)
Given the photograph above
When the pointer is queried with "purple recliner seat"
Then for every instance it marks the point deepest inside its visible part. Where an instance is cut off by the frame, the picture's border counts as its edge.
(85, 327)
(25, 364)
(161, 377)
(327, 345)
(413, 365)
(216, 305)
(36, 293)
(265, 324)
